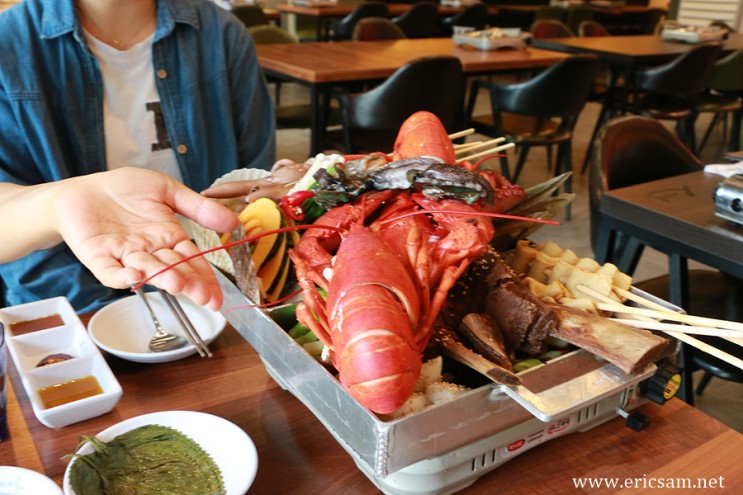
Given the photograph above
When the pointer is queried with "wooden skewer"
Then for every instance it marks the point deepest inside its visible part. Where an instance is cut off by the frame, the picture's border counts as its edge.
(653, 305)
(641, 300)
(462, 146)
(489, 152)
(465, 132)
(702, 346)
(680, 317)
(677, 327)
(467, 147)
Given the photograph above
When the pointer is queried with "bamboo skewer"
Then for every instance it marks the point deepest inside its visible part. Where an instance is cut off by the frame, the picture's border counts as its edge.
(680, 317)
(488, 152)
(465, 132)
(652, 305)
(702, 346)
(467, 147)
(677, 327)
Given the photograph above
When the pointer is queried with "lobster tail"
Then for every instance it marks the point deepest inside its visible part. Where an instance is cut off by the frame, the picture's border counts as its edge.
(396, 368)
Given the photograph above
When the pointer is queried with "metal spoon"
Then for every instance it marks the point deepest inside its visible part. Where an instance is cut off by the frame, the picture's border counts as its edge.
(162, 341)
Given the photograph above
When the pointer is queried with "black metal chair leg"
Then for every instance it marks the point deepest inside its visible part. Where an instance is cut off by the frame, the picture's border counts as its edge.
(520, 164)
(703, 382)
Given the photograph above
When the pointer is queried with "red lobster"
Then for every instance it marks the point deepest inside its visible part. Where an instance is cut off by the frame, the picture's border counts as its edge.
(388, 282)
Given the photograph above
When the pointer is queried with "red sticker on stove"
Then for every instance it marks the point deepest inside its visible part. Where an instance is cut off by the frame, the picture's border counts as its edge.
(515, 445)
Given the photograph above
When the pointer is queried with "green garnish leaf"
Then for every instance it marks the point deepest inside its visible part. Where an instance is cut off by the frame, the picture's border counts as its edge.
(148, 460)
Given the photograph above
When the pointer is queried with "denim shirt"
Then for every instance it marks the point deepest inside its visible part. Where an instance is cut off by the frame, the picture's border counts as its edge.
(215, 106)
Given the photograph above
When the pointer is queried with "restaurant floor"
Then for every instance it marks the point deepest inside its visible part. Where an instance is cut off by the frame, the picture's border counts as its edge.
(722, 400)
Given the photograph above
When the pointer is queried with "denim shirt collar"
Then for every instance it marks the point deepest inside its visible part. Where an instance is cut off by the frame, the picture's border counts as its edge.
(60, 18)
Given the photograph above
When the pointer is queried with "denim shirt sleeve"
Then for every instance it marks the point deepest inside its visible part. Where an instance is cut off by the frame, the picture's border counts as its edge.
(216, 108)
(215, 99)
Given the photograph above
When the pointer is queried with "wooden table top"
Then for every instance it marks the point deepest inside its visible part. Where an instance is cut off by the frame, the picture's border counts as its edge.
(298, 455)
(319, 62)
(628, 49)
(343, 9)
(679, 211)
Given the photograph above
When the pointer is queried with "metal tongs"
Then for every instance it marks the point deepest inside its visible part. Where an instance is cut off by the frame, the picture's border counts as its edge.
(191, 333)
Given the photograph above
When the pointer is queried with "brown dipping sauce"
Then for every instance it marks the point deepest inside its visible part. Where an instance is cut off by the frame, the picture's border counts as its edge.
(63, 393)
(28, 326)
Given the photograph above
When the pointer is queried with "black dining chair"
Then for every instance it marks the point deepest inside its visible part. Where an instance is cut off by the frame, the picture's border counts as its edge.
(723, 97)
(589, 28)
(343, 28)
(550, 28)
(372, 119)
(420, 21)
(667, 92)
(550, 12)
(250, 15)
(578, 14)
(295, 116)
(551, 101)
(377, 28)
(632, 150)
(474, 16)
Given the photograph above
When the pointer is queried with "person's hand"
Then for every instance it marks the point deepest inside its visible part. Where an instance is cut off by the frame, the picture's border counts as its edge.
(121, 225)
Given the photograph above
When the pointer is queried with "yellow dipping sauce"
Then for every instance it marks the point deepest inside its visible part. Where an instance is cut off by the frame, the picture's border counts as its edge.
(62, 393)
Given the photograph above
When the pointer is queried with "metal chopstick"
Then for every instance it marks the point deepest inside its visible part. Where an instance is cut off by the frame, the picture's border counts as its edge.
(185, 322)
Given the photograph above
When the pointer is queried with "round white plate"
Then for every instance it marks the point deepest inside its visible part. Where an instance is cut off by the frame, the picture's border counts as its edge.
(228, 445)
(21, 481)
(124, 328)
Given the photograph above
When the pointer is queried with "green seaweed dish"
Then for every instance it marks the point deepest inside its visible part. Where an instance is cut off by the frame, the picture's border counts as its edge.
(148, 460)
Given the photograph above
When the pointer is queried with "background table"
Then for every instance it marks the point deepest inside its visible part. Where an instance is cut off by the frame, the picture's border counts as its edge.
(320, 66)
(676, 216)
(297, 455)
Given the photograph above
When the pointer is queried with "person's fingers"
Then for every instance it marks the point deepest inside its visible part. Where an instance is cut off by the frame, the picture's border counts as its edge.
(203, 211)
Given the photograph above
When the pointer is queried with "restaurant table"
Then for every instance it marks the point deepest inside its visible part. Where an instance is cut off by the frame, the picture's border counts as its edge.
(624, 54)
(297, 455)
(322, 66)
(675, 216)
(325, 14)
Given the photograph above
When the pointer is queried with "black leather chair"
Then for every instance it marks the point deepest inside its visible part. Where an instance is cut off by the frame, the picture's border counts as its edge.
(578, 14)
(376, 28)
(589, 28)
(372, 119)
(343, 28)
(287, 116)
(552, 101)
(250, 15)
(724, 97)
(475, 16)
(550, 28)
(420, 21)
(551, 12)
(667, 92)
(632, 150)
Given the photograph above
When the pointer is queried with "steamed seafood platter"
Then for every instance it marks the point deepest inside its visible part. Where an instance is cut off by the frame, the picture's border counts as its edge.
(410, 275)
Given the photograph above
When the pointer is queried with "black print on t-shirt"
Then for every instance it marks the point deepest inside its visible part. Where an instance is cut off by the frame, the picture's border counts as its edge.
(162, 143)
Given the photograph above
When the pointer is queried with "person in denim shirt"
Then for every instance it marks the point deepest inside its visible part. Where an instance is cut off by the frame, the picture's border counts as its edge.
(100, 217)
(214, 112)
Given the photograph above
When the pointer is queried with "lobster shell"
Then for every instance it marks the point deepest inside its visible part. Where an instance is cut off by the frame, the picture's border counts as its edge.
(373, 311)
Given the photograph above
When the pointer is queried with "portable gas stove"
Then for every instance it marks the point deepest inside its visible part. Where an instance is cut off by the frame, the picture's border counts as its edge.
(446, 447)
(729, 199)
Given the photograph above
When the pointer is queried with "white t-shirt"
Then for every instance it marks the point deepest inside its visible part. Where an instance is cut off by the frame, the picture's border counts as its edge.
(132, 119)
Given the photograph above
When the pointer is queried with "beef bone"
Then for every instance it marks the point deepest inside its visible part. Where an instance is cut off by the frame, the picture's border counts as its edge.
(631, 349)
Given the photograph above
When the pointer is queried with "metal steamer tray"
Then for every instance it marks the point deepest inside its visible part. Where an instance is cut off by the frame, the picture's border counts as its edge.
(446, 447)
